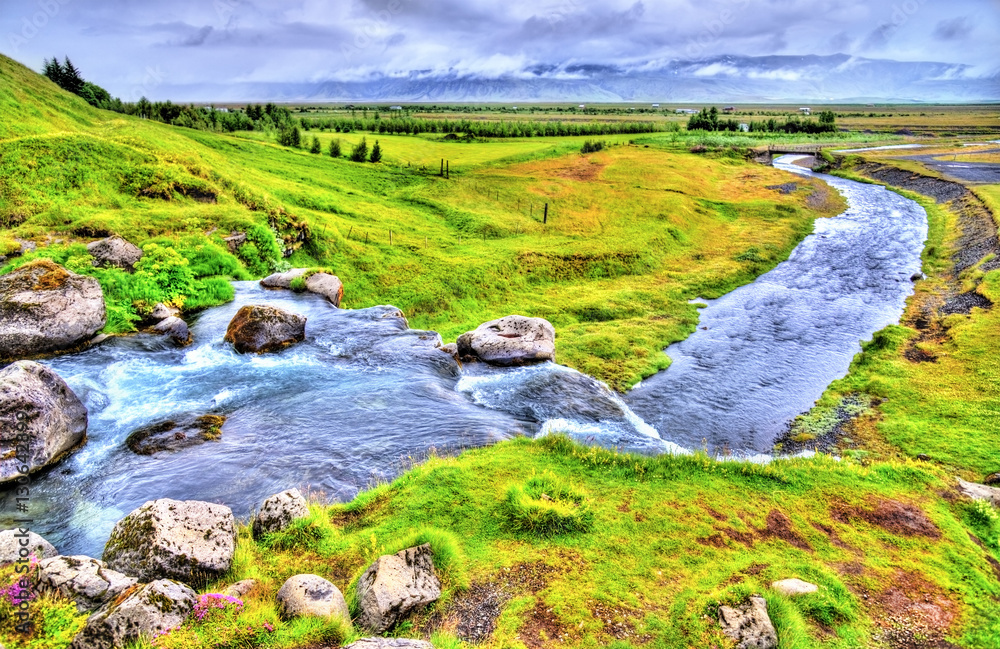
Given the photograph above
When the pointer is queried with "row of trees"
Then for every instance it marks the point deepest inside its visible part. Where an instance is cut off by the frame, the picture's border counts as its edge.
(708, 120)
(292, 137)
(476, 128)
(68, 77)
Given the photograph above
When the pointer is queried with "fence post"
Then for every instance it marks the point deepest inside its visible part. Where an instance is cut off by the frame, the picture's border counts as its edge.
(545, 219)
(442, 167)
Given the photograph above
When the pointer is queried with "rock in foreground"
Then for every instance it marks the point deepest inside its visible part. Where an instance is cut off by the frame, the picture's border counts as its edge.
(277, 512)
(13, 541)
(311, 596)
(115, 252)
(152, 609)
(389, 643)
(327, 285)
(189, 541)
(175, 329)
(89, 583)
(45, 308)
(258, 329)
(395, 585)
(793, 587)
(41, 419)
(513, 340)
(980, 492)
(749, 624)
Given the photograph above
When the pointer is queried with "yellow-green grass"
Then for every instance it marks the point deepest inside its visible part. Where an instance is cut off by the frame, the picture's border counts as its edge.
(671, 539)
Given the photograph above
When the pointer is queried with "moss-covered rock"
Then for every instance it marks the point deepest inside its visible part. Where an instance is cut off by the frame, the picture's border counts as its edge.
(46, 308)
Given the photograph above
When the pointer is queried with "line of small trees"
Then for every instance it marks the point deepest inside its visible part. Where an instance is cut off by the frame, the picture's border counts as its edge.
(708, 120)
(292, 137)
(476, 128)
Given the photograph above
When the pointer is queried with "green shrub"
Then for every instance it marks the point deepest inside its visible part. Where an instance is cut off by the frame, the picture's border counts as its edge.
(545, 506)
(307, 533)
(985, 520)
(260, 252)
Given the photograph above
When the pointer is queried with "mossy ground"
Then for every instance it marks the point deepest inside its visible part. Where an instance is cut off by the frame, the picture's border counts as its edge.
(671, 539)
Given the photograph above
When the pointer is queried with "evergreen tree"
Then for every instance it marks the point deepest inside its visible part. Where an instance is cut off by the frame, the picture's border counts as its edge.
(296, 137)
(54, 71)
(360, 151)
(376, 155)
(335, 148)
(71, 79)
(316, 146)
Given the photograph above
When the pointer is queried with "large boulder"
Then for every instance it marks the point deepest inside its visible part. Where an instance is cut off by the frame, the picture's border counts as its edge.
(980, 492)
(278, 511)
(89, 583)
(327, 285)
(189, 541)
(175, 435)
(41, 419)
(45, 308)
(175, 329)
(395, 585)
(11, 546)
(513, 340)
(259, 329)
(749, 624)
(115, 252)
(145, 612)
(311, 596)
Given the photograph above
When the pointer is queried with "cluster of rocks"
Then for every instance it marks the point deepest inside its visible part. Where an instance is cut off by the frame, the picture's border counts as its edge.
(324, 284)
(158, 554)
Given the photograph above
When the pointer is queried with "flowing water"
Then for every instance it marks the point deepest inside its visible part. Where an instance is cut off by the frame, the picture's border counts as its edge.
(765, 352)
(364, 396)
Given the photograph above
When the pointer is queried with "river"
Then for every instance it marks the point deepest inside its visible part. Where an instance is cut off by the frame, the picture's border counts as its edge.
(363, 397)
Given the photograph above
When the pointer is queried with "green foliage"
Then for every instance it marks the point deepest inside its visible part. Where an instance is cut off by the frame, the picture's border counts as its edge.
(545, 506)
(162, 275)
(260, 252)
(335, 148)
(360, 151)
(985, 520)
(376, 154)
(591, 146)
(316, 147)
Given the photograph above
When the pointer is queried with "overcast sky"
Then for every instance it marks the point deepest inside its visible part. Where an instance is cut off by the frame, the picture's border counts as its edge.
(131, 46)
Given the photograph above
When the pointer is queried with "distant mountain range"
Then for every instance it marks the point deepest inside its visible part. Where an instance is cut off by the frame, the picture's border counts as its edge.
(735, 79)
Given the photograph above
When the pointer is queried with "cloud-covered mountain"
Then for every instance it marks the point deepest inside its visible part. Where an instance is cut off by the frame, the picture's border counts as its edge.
(732, 79)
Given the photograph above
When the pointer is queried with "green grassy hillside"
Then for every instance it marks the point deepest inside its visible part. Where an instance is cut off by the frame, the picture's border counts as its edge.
(633, 232)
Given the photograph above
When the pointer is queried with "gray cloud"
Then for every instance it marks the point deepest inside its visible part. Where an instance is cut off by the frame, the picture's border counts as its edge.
(954, 29)
(208, 41)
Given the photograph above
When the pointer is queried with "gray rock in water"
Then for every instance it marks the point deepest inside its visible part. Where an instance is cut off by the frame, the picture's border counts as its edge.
(41, 419)
(793, 587)
(980, 492)
(389, 643)
(749, 624)
(395, 585)
(283, 280)
(175, 435)
(151, 609)
(89, 583)
(115, 252)
(189, 541)
(327, 285)
(278, 511)
(161, 312)
(45, 308)
(259, 329)
(311, 596)
(11, 547)
(176, 329)
(513, 340)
